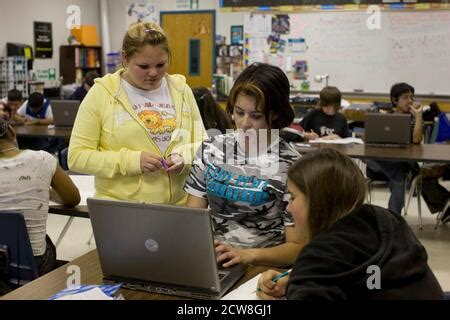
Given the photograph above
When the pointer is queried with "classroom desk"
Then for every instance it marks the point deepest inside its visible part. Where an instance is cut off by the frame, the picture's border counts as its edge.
(42, 132)
(421, 153)
(55, 281)
(85, 184)
(80, 211)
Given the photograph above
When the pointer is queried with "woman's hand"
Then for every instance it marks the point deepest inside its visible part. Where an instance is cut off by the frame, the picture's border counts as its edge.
(175, 163)
(150, 162)
(232, 255)
(267, 289)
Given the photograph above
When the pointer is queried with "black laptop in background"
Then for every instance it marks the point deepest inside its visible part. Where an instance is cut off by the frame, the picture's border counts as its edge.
(387, 129)
(64, 112)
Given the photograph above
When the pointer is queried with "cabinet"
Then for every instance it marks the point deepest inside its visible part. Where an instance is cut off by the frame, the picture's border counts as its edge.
(76, 61)
(13, 75)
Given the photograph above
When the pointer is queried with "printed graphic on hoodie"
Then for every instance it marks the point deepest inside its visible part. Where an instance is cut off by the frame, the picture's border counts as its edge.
(156, 110)
(248, 203)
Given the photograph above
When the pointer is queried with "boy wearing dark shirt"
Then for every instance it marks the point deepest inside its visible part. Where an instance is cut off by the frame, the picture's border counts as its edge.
(326, 122)
(402, 98)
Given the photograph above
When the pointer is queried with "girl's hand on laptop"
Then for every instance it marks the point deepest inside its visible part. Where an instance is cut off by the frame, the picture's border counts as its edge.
(232, 255)
(150, 162)
(175, 163)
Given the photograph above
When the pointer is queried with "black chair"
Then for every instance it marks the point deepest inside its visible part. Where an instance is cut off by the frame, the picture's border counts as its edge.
(62, 157)
(19, 264)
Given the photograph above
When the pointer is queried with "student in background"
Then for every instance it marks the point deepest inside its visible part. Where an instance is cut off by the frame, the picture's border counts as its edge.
(36, 110)
(212, 114)
(10, 105)
(138, 129)
(25, 180)
(402, 98)
(354, 251)
(88, 82)
(242, 175)
(326, 122)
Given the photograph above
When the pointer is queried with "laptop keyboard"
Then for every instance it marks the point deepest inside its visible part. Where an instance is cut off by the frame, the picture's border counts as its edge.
(223, 274)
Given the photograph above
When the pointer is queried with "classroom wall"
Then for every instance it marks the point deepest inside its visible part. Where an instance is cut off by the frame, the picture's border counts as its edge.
(117, 13)
(16, 23)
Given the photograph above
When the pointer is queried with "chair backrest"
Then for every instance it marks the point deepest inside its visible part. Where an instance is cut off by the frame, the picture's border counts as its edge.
(15, 241)
(444, 128)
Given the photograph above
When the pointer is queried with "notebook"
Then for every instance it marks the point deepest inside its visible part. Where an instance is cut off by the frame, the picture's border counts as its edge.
(64, 112)
(387, 129)
(159, 248)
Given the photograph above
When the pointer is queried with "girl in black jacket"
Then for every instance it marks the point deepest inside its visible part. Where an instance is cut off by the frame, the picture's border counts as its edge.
(355, 251)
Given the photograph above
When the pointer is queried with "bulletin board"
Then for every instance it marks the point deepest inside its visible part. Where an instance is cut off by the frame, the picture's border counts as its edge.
(408, 46)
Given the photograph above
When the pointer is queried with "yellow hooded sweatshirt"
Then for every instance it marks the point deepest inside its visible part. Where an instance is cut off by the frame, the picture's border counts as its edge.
(108, 138)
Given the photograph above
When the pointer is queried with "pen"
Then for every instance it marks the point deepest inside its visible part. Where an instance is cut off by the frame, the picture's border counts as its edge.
(164, 163)
(276, 278)
(281, 275)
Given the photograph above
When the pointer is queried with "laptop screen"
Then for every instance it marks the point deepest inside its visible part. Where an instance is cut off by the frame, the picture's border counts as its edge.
(387, 128)
(64, 112)
(159, 243)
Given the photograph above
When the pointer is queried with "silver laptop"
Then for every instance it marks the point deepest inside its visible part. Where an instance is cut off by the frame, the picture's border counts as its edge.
(387, 129)
(64, 112)
(159, 248)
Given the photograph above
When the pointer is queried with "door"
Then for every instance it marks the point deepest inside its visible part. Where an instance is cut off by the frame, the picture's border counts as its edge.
(191, 37)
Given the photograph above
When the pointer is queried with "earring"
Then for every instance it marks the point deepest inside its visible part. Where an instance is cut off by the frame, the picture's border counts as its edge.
(232, 117)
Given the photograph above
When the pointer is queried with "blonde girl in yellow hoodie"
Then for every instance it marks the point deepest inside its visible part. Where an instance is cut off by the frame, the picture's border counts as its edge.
(138, 129)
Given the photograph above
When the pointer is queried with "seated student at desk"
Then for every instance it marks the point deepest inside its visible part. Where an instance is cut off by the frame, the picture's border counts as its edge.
(25, 180)
(36, 110)
(10, 105)
(88, 82)
(402, 99)
(245, 187)
(326, 122)
(354, 251)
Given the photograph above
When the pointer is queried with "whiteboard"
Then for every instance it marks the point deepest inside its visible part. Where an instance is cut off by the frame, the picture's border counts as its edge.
(410, 46)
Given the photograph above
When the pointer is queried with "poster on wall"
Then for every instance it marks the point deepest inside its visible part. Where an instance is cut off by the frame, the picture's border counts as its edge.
(141, 11)
(43, 42)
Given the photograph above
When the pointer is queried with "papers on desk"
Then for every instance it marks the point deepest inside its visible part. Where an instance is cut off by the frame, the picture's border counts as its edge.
(93, 294)
(88, 292)
(338, 141)
(246, 291)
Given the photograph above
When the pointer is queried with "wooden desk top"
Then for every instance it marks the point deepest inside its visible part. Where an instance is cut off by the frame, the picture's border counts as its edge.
(55, 281)
(422, 152)
(80, 211)
(42, 131)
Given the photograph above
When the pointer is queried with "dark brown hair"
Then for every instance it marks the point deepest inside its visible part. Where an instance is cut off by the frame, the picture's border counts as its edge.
(270, 87)
(140, 34)
(90, 77)
(398, 89)
(213, 116)
(332, 184)
(330, 96)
